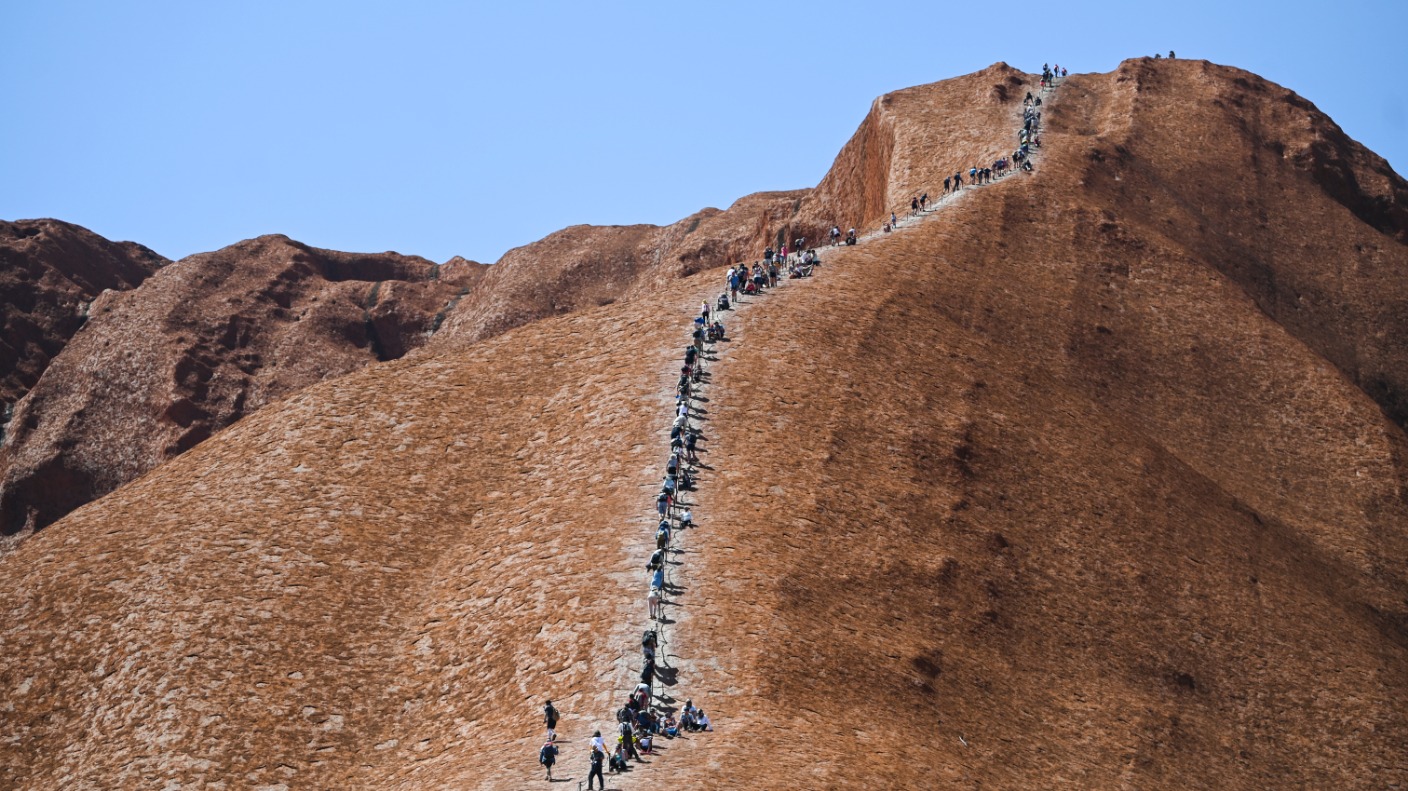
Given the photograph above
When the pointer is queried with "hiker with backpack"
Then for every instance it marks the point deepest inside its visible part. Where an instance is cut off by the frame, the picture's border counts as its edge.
(627, 739)
(550, 719)
(547, 756)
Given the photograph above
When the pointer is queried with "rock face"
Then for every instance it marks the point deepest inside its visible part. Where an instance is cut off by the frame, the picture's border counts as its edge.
(1045, 489)
(906, 145)
(49, 272)
(209, 339)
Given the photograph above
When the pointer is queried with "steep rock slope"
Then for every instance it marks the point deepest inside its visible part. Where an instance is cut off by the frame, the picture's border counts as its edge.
(49, 272)
(905, 145)
(1029, 493)
(209, 339)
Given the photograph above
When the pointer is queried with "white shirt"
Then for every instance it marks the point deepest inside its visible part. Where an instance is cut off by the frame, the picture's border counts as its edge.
(599, 743)
(688, 516)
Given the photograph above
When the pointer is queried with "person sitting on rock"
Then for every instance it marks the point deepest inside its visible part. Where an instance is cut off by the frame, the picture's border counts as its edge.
(618, 760)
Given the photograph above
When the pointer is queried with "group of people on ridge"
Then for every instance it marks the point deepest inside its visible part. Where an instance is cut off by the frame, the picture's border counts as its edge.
(639, 722)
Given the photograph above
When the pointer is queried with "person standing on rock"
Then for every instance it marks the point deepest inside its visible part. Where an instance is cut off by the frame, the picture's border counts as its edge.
(550, 719)
(598, 758)
(652, 601)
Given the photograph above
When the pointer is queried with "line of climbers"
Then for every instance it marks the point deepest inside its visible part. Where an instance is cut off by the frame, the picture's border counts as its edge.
(646, 714)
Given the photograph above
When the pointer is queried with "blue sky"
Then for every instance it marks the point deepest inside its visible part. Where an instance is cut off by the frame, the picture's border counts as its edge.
(445, 129)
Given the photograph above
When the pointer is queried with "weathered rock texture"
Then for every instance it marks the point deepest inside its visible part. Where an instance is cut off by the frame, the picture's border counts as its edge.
(1037, 492)
(49, 272)
(160, 368)
(905, 146)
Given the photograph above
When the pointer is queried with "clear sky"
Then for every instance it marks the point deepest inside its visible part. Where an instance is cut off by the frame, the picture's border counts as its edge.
(444, 129)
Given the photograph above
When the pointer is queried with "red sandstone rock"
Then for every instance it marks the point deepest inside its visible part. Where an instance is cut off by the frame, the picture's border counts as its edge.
(209, 339)
(49, 272)
(1041, 491)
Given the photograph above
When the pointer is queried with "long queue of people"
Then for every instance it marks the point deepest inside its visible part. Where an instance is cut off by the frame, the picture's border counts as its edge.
(643, 718)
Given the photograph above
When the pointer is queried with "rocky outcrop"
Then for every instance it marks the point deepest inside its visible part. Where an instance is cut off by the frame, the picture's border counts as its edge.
(1062, 486)
(905, 146)
(49, 273)
(209, 339)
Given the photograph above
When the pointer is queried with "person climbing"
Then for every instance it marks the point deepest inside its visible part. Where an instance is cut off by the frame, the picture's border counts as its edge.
(690, 441)
(627, 739)
(913, 209)
(958, 181)
(835, 235)
(924, 202)
(598, 758)
(657, 559)
(1170, 56)
(662, 540)
(662, 503)
(657, 577)
(647, 673)
(851, 236)
(550, 719)
(547, 756)
(946, 183)
(652, 601)
(642, 695)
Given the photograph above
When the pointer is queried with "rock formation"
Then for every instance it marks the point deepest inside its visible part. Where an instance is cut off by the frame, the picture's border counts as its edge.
(49, 272)
(891, 158)
(210, 338)
(1093, 478)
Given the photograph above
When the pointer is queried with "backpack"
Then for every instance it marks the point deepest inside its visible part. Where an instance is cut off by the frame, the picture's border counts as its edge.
(544, 756)
(649, 638)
